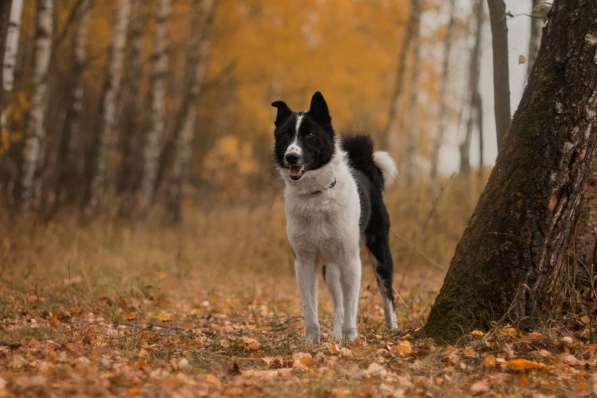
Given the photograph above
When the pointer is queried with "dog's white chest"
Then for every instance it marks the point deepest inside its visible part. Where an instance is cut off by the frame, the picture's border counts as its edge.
(326, 224)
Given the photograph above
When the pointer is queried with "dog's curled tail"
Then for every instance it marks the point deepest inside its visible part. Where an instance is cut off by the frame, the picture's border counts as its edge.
(387, 165)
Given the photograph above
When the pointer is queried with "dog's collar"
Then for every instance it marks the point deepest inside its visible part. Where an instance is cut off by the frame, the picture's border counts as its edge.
(332, 185)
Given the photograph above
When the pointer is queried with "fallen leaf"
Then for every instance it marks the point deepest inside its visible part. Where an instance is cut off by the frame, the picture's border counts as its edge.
(570, 360)
(508, 331)
(345, 352)
(469, 352)
(477, 333)
(250, 343)
(522, 59)
(403, 348)
(523, 364)
(213, 380)
(479, 387)
(302, 360)
(273, 362)
(489, 361)
(164, 316)
(337, 393)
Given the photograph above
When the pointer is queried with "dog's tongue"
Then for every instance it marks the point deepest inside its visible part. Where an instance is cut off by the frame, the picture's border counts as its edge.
(296, 171)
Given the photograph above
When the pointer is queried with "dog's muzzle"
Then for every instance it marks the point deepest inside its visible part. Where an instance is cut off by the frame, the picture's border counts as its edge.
(296, 168)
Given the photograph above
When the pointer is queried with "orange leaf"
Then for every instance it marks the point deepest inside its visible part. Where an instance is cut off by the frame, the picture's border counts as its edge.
(302, 360)
(489, 361)
(523, 364)
(250, 344)
(403, 348)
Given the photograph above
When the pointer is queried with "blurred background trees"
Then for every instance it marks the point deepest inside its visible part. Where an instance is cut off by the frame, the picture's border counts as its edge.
(128, 107)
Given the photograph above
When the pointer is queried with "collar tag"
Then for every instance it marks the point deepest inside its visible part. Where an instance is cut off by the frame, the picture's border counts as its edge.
(332, 185)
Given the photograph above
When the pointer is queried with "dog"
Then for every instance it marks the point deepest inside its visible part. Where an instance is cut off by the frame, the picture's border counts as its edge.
(333, 197)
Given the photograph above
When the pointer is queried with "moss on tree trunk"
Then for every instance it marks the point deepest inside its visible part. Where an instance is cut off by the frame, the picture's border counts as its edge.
(508, 262)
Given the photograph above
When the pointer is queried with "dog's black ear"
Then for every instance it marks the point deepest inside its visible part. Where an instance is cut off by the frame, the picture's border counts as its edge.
(283, 112)
(319, 109)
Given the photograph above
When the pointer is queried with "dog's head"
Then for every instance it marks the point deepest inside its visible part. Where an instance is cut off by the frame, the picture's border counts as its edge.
(304, 141)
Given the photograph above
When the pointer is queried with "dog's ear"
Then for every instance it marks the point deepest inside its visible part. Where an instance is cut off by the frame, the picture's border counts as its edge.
(283, 112)
(319, 109)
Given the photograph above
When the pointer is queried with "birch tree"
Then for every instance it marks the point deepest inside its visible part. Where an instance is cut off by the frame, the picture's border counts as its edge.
(535, 38)
(474, 95)
(69, 164)
(508, 264)
(153, 139)
(391, 129)
(9, 56)
(35, 130)
(501, 69)
(103, 148)
(442, 126)
(413, 128)
(178, 155)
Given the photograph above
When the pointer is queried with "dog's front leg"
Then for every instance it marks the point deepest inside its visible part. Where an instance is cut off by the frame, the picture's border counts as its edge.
(304, 267)
(332, 279)
(351, 285)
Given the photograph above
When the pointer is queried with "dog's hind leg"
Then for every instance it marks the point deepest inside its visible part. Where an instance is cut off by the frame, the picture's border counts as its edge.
(350, 279)
(331, 275)
(381, 257)
(305, 269)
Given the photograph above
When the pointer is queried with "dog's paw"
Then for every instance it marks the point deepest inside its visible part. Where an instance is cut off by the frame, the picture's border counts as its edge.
(392, 325)
(312, 336)
(337, 334)
(350, 334)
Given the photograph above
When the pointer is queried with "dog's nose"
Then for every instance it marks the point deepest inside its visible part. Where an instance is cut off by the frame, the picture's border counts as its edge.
(292, 158)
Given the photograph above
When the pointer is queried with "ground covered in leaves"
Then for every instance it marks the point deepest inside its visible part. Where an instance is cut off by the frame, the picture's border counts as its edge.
(170, 340)
(211, 309)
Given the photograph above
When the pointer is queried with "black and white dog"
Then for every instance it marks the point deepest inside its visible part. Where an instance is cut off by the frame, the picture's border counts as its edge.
(333, 197)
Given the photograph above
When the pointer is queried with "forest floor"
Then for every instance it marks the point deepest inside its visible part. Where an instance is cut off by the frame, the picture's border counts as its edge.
(114, 311)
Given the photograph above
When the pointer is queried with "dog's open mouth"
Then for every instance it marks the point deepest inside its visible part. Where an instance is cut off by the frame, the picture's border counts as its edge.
(296, 172)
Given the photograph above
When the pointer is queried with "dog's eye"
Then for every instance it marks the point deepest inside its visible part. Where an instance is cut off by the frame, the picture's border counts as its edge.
(309, 134)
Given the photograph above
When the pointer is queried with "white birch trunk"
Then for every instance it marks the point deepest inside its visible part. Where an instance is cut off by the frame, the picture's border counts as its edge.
(443, 91)
(35, 130)
(413, 129)
(474, 95)
(391, 129)
(104, 145)
(535, 38)
(182, 150)
(9, 60)
(153, 139)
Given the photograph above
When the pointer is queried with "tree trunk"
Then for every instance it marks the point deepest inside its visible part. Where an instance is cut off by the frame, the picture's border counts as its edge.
(474, 95)
(585, 246)
(391, 130)
(69, 164)
(177, 156)
(35, 130)
(413, 128)
(535, 39)
(9, 55)
(501, 69)
(443, 91)
(508, 265)
(4, 22)
(103, 148)
(130, 122)
(153, 139)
